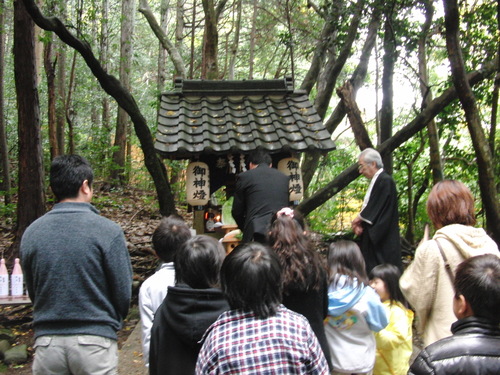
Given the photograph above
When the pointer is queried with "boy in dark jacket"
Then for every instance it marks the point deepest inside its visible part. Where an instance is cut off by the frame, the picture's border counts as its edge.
(189, 308)
(474, 347)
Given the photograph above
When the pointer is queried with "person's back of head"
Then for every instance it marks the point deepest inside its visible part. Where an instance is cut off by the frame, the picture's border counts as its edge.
(390, 275)
(260, 156)
(370, 155)
(301, 265)
(345, 258)
(287, 230)
(198, 262)
(67, 174)
(477, 279)
(450, 202)
(251, 279)
(169, 236)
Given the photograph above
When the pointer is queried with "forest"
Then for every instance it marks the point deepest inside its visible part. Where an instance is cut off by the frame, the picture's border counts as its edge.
(418, 80)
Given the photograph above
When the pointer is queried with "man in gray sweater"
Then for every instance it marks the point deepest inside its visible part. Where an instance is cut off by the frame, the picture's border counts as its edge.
(78, 275)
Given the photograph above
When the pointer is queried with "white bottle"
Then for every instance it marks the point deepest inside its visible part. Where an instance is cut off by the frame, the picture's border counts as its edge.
(4, 279)
(16, 280)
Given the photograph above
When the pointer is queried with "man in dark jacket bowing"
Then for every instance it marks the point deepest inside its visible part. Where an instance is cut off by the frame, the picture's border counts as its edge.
(378, 222)
(260, 192)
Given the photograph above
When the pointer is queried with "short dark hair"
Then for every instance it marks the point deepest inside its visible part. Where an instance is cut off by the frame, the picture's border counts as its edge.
(390, 275)
(198, 262)
(478, 280)
(169, 236)
(251, 279)
(67, 174)
(260, 156)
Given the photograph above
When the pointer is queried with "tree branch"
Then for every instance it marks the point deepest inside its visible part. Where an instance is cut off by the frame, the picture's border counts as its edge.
(123, 97)
(434, 108)
(163, 38)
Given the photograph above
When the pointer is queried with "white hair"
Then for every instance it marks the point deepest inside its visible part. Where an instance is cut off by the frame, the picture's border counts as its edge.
(371, 155)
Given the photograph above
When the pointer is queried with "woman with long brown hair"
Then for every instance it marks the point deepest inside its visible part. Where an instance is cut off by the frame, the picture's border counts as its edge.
(304, 275)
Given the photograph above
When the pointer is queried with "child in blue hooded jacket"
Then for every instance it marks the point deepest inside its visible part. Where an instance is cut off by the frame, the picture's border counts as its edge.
(354, 311)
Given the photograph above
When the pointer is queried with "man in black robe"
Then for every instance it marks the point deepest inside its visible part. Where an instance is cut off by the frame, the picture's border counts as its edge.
(378, 222)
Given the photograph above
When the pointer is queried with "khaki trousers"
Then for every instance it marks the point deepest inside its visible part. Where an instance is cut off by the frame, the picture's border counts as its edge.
(75, 355)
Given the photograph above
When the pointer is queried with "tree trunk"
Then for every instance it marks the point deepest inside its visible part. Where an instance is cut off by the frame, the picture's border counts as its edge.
(162, 52)
(495, 99)
(328, 77)
(61, 91)
(68, 112)
(325, 40)
(210, 67)
(408, 131)
(193, 32)
(387, 109)
(489, 196)
(50, 71)
(236, 40)
(162, 36)
(118, 172)
(105, 138)
(124, 98)
(353, 113)
(31, 200)
(310, 162)
(425, 90)
(253, 32)
(411, 194)
(4, 150)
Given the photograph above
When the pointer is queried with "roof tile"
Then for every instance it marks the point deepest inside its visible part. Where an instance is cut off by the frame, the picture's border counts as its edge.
(220, 117)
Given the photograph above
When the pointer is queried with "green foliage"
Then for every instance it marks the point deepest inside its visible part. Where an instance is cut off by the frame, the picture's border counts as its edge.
(273, 39)
(8, 211)
(335, 215)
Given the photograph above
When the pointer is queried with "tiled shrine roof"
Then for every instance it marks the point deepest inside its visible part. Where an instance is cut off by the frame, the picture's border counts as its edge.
(225, 117)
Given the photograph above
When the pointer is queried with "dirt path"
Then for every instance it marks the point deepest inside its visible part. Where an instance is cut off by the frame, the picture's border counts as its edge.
(130, 356)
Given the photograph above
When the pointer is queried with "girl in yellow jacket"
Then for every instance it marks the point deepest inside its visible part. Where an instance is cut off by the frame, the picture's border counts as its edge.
(394, 343)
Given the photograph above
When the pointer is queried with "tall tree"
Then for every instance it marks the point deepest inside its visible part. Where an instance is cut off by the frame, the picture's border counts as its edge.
(124, 98)
(106, 128)
(487, 186)
(210, 65)
(389, 60)
(171, 48)
(236, 40)
(118, 173)
(326, 43)
(253, 38)
(4, 150)
(417, 124)
(162, 52)
(50, 64)
(31, 198)
(426, 92)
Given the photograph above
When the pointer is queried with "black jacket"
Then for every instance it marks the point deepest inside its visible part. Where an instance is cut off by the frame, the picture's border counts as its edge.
(259, 193)
(313, 304)
(474, 349)
(179, 324)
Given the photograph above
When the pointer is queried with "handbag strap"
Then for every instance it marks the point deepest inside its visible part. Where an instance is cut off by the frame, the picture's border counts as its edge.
(446, 263)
